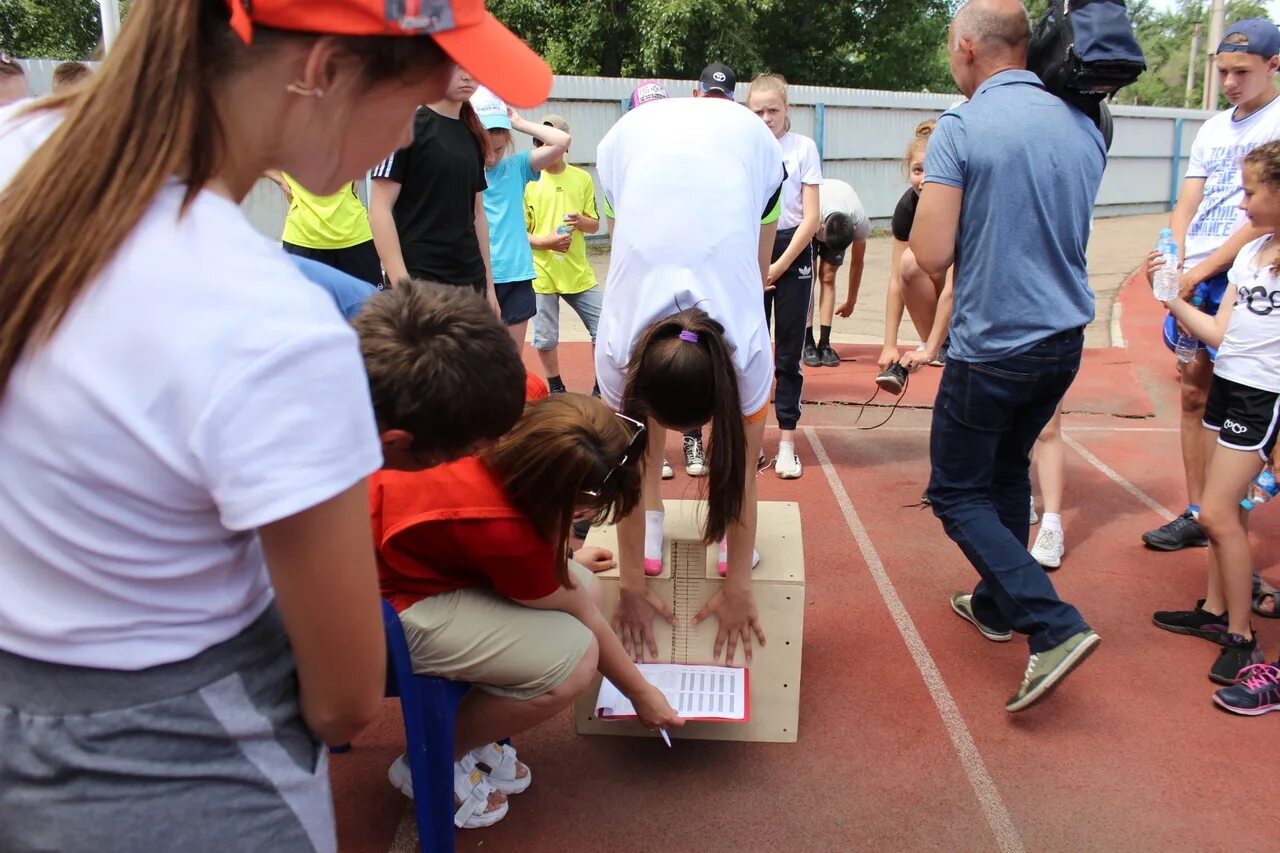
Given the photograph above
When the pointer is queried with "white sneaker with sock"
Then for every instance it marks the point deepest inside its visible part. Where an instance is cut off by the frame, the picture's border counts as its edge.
(787, 466)
(1049, 547)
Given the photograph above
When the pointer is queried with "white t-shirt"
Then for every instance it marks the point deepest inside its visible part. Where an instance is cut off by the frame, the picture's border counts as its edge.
(688, 181)
(800, 156)
(836, 196)
(1250, 351)
(198, 389)
(1215, 156)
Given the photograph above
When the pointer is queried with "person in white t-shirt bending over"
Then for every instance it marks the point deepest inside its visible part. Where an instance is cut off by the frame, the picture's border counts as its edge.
(692, 192)
(844, 228)
(188, 596)
(1212, 230)
(789, 285)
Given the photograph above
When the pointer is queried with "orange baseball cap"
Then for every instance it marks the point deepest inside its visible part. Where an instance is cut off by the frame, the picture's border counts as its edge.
(474, 39)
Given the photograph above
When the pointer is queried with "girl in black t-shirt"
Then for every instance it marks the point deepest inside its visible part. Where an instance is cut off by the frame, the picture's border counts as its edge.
(426, 208)
(910, 286)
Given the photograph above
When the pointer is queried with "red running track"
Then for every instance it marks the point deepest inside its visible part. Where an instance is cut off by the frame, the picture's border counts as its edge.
(904, 740)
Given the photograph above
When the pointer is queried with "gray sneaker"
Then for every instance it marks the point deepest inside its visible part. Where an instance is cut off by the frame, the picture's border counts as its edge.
(962, 604)
(1047, 669)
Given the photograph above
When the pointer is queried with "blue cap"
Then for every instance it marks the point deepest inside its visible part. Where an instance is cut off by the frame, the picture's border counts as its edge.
(1253, 35)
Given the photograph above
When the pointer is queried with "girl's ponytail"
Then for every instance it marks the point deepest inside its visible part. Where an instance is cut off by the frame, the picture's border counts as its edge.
(471, 119)
(682, 375)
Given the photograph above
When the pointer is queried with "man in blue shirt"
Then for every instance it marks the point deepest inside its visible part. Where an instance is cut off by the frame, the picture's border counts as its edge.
(1012, 213)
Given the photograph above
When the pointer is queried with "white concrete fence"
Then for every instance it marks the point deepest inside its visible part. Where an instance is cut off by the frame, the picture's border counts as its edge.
(861, 134)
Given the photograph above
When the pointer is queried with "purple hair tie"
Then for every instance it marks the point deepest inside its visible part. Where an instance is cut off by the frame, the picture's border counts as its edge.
(690, 337)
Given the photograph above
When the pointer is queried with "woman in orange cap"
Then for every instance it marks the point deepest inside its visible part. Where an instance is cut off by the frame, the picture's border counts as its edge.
(190, 600)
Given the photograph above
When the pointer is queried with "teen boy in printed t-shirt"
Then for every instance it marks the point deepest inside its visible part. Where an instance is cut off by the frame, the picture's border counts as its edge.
(559, 208)
(1213, 230)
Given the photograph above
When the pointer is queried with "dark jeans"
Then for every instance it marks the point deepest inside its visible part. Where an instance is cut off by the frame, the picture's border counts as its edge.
(788, 306)
(360, 260)
(985, 421)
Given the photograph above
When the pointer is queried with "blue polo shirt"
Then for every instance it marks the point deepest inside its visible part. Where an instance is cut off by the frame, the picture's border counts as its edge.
(1030, 166)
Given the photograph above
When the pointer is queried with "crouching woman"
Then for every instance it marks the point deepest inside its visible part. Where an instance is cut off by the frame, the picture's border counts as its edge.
(474, 557)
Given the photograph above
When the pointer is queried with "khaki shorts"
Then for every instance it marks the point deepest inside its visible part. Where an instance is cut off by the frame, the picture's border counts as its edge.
(496, 644)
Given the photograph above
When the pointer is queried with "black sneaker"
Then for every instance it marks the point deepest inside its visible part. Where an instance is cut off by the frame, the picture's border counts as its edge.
(1236, 654)
(829, 357)
(695, 457)
(811, 358)
(892, 379)
(556, 387)
(1194, 623)
(940, 360)
(1183, 532)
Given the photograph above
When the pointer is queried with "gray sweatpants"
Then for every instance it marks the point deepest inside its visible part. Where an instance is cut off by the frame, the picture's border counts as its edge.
(206, 754)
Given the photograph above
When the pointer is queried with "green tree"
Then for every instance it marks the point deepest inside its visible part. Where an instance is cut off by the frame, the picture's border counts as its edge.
(52, 29)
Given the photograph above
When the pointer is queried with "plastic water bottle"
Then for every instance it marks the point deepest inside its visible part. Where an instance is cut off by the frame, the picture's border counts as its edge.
(1184, 349)
(1167, 278)
(563, 230)
(1262, 489)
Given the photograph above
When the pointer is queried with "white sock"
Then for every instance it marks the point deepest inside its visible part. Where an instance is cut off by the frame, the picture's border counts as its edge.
(653, 535)
(1051, 521)
(787, 450)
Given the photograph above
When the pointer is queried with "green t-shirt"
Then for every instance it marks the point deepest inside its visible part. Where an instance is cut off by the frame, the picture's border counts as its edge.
(546, 201)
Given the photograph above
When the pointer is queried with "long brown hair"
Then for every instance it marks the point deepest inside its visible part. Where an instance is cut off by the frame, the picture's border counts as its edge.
(150, 115)
(471, 119)
(681, 384)
(562, 446)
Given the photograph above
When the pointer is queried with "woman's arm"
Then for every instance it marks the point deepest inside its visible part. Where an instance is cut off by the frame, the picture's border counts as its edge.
(555, 142)
(326, 584)
(386, 237)
(893, 305)
(482, 236)
(804, 233)
(615, 664)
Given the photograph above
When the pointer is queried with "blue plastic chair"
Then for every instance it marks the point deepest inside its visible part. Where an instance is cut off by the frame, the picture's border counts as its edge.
(430, 708)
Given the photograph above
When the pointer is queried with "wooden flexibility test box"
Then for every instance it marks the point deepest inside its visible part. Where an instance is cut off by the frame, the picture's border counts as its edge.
(688, 580)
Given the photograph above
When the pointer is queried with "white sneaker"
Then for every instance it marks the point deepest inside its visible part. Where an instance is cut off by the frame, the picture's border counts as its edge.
(667, 471)
(1049, 548)
(695, 458)
(788, 469)
(1035, 519)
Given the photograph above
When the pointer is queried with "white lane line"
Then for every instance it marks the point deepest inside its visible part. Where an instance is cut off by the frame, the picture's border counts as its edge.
(406, 840)
(925, 428)
(1115, 477)
(966, 750)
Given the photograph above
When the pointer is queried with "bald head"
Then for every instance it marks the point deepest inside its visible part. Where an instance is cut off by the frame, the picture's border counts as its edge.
(987, 37)
(998, 26)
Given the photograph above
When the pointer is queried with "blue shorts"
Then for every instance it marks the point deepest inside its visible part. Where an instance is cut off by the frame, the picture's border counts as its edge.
(1212, 291)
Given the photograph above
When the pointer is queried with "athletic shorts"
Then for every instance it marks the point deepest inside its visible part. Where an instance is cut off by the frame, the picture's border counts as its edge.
(360, 260)
(209, 753)
(498, 645)
(1212, 291)
(1244, 418)
(515, 298)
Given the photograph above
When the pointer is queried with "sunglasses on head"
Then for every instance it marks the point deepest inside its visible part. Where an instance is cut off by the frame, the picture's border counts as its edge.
(635, 450)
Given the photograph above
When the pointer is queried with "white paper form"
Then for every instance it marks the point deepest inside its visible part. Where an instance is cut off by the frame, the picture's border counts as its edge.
(696, 692)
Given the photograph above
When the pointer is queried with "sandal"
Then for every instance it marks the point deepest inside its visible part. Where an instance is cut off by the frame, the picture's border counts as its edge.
(499, 764)
(1274, 612)
(471, 792)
